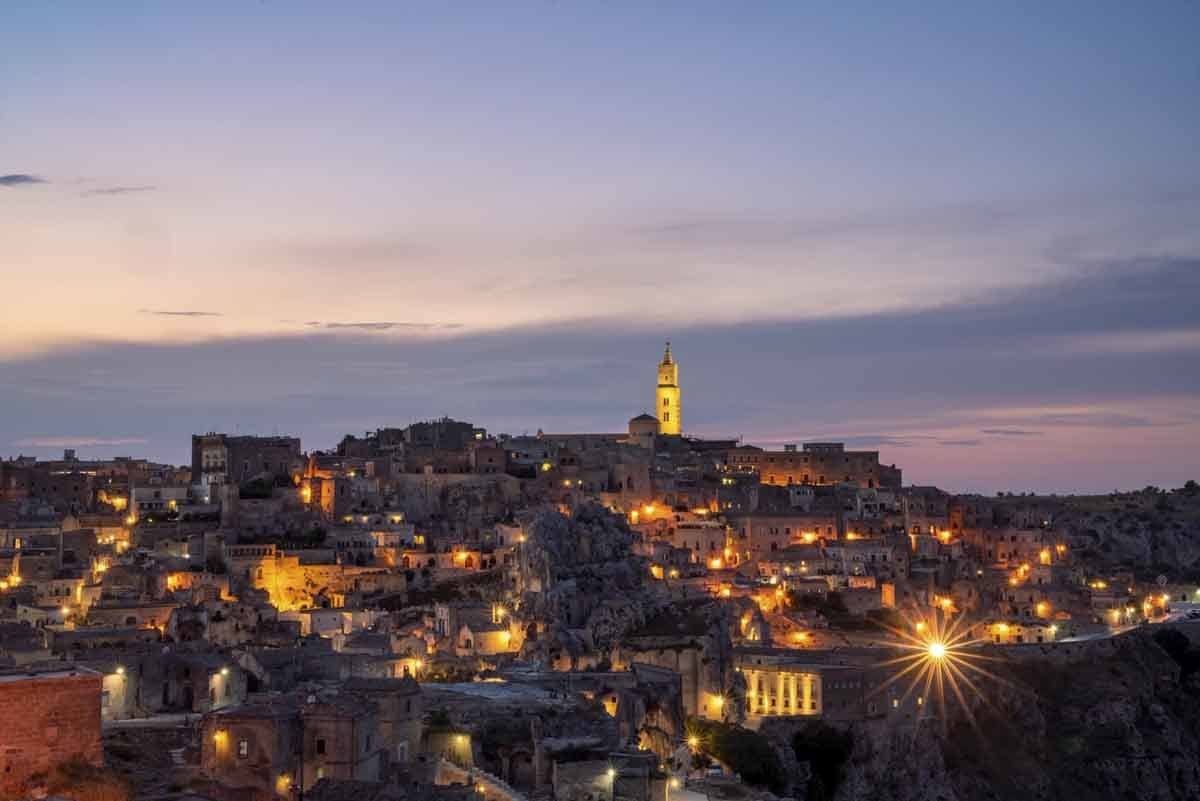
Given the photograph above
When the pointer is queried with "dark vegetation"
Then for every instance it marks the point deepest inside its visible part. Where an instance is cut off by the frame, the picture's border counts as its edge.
(748, 753)
(827, 750)
(80, 781)
(833, 609)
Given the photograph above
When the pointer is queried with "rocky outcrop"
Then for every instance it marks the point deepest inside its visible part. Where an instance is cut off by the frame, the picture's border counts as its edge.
(1118, 722)
(579, 582)
(1153, 532)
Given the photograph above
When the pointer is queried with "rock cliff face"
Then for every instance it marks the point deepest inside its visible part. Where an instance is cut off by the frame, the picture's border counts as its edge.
(1115, 721)
(1153, 532)
(579, 581)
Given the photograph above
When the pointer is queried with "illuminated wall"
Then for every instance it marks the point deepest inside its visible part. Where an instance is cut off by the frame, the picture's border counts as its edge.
(666, 396)
(782, 692)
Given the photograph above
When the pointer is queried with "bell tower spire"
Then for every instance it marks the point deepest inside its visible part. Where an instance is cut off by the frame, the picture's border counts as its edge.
(667, 395)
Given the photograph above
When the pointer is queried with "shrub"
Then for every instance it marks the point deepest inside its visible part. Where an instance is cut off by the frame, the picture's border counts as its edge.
(747, 752)
(826, 749)
(81, 781)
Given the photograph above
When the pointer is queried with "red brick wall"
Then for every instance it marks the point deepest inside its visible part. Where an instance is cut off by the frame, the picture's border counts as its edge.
(45, 721)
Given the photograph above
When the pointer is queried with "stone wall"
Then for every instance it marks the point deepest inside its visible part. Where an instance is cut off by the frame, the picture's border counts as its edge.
(48, 719)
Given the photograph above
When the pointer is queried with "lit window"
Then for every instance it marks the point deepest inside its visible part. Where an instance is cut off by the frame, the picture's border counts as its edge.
(243, 748)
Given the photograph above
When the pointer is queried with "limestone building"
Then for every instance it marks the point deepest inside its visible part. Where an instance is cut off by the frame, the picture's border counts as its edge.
(666, 396)
(50, 719)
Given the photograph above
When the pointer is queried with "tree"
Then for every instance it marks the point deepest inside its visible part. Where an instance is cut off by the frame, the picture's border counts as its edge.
(826, 749)
(748, 753)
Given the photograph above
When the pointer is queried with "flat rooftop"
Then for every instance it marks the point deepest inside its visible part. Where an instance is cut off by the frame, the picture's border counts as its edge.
(79, 672)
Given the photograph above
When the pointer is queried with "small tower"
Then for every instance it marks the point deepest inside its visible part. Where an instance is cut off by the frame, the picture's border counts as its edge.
(666, 395)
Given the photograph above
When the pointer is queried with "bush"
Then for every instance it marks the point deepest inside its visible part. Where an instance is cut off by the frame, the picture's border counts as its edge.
(81, 781)
(826, 749)
(748, 753)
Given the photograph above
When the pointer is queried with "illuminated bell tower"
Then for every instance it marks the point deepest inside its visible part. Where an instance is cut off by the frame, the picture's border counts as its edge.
(666, 395)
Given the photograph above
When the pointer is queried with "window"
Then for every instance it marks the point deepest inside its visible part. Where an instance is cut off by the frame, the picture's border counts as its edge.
(666, 417)
(243, 748)
(320, 746)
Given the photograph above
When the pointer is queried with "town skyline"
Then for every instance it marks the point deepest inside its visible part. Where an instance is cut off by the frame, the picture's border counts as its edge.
(1004, 429)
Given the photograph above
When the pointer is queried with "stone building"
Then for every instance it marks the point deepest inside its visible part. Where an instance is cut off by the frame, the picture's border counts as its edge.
(667, 396)
(401, 711)
(225, 459)
(48, 719)
(819, 463)
(277, 743)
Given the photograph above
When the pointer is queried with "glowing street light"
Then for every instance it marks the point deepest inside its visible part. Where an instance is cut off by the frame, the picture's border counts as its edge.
(938, 660)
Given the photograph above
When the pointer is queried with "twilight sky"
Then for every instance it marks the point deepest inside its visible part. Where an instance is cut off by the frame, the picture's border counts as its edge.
(967, 235)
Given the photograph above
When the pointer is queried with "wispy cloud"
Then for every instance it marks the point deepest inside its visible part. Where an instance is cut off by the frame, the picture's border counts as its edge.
(78, 442)
(179, 313)
(20, 179)
(1011, 432)
(1133, 341)
(960, 443)
(1102, 419)
(389, 325)
(118, 190)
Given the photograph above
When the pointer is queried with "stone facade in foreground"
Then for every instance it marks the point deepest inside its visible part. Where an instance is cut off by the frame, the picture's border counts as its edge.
(49, 719)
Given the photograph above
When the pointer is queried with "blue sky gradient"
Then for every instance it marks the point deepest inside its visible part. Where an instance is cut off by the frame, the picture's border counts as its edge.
(901, 225)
